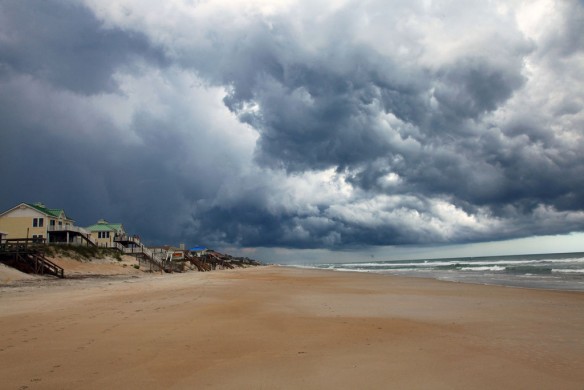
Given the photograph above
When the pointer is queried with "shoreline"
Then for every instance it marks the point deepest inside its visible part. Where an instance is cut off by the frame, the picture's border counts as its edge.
(556, 271)
(285, 327)
(545, 286)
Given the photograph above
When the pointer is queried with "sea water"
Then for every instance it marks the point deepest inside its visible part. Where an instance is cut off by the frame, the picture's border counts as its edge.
(562, 271)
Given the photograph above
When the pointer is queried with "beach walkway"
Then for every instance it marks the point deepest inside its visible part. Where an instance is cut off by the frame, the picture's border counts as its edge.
(24, 256)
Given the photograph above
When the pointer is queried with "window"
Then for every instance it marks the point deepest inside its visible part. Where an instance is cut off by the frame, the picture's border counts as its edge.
(41, 220)
(52, 223)
(38, 222)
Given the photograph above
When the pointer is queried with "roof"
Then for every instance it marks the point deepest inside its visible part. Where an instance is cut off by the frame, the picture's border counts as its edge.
(49, 212)
(198, 248)
(104, 226)
(53, 213)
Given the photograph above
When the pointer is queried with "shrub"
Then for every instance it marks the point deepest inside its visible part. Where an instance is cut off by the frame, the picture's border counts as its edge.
(79, 252)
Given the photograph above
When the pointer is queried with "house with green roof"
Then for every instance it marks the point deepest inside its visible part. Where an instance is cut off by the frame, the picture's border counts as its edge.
(104, 233)
(36, 221)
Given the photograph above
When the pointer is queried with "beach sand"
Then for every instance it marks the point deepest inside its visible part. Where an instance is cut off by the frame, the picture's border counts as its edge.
(286, 328)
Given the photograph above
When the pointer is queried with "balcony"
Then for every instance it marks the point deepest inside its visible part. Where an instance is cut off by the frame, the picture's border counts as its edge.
(67, 228)
(64, 234)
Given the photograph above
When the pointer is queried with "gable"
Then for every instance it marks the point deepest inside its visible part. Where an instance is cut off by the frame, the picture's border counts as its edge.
(23, 210)
(57, 213)
(100, 228)
(103, 226)
(35, 211)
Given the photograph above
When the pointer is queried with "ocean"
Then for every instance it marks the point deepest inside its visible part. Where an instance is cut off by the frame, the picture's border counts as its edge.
(560, 271)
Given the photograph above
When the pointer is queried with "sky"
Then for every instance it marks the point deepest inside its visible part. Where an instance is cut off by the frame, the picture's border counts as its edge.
(298, 131)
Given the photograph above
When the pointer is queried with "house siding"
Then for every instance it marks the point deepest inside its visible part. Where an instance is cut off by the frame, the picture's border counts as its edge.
(102, 228)
(18, 223)
(104, 241)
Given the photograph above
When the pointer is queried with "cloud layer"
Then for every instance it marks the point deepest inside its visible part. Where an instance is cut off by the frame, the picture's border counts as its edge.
(297, 124)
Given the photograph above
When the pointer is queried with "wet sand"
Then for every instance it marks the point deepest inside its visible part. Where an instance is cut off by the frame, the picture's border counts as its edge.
(286, 328)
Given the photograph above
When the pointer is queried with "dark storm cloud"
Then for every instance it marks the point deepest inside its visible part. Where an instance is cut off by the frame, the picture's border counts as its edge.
(326, 109)
(59, 150)
(376, 126)
(327, 114)
(64, 44)
(323, 112)
(92, 178)
(473, 86)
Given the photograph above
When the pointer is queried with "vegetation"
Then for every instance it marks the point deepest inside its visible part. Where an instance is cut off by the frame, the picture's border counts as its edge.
(83, 252)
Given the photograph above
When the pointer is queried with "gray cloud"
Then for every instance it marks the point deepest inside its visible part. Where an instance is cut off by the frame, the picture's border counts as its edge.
(376, 125)
(64, 44)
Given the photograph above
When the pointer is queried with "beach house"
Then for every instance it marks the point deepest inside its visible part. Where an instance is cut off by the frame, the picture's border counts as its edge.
(198, 251)
(105, 233)
(42, 224)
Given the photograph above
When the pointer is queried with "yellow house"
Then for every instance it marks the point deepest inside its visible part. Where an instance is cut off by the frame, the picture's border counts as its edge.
(32, 221)
(105, 233)
(36, 221)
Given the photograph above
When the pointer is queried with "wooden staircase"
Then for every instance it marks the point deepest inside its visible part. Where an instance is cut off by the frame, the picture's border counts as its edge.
(217, 259)
(29, 260)
(201, 266)
(139, 250)
(42, 265)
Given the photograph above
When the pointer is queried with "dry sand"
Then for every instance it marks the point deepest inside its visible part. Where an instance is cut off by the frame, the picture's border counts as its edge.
(285, 328)
(74, 269)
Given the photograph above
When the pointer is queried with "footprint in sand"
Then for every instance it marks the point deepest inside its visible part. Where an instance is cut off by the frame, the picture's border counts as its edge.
(54, 368)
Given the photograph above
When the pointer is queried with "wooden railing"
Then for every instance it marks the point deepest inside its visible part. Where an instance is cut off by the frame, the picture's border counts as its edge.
(155, 259)
(67, 228)
(23, 255)
(20, 244)
(201, 267)
(74, 229)
(43, 265)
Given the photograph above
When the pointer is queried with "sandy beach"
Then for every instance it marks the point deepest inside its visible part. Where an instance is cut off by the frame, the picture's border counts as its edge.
(286, 328)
